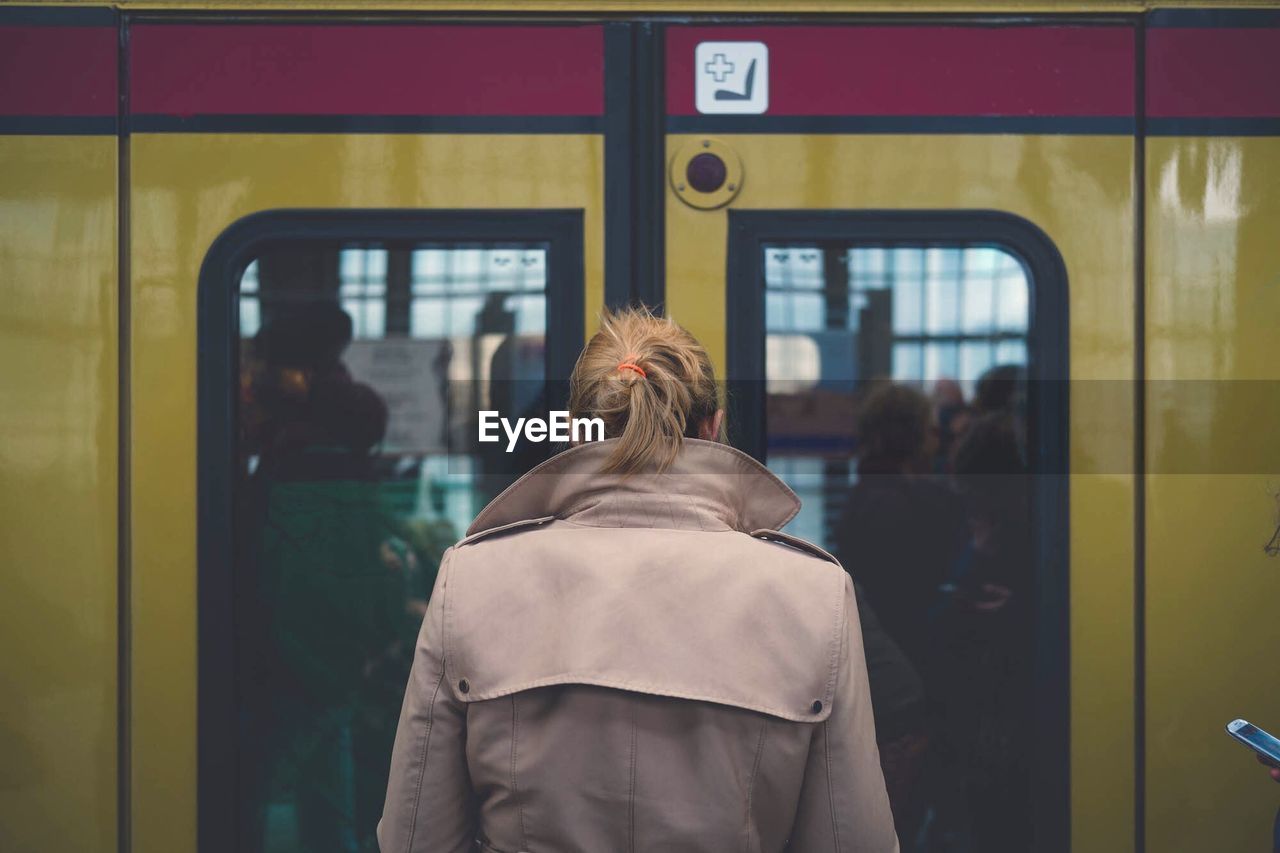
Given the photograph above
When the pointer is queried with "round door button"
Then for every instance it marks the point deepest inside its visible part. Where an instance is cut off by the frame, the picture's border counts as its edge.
(706, 173)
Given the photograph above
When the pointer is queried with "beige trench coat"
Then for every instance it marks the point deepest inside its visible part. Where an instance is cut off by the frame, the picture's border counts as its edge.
(611, 665)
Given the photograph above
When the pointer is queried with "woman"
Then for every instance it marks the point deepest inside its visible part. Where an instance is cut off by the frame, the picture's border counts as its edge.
(623, 654)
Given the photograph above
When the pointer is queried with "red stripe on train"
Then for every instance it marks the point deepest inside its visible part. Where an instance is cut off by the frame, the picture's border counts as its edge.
(385, 69)
(927, 71)
(58, 71)
(1213, 73)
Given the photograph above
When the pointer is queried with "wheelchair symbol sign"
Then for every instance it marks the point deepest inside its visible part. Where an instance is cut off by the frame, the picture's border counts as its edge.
(732, 77)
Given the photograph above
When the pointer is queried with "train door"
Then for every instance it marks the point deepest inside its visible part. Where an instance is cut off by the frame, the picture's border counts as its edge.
(949, 207)
(355, 234)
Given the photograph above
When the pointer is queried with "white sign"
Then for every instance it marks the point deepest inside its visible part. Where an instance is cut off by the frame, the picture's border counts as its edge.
(731, 77)
(410, 375)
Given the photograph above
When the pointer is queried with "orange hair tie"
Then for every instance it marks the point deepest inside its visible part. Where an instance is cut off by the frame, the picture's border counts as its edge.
(631, 365)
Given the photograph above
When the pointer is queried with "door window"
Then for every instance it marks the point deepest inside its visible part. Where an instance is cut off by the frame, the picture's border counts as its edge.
(362, 363)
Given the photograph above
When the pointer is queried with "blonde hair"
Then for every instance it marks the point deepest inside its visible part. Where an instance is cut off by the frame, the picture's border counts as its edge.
(651, 383)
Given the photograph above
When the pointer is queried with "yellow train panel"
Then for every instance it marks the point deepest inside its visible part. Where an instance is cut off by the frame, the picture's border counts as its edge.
(1213, 295)
(58, 488)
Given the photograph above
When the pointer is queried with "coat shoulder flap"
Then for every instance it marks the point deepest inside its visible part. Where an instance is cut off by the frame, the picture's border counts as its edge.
(512, 527)
(794, 542)
(717, 617)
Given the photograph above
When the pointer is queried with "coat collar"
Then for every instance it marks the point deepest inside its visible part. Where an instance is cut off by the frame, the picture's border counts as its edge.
(711, 486)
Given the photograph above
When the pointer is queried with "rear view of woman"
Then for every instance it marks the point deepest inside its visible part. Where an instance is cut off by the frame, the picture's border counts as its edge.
(624, 654)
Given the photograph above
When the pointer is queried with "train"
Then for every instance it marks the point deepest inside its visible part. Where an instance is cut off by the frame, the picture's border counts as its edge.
(822, 192)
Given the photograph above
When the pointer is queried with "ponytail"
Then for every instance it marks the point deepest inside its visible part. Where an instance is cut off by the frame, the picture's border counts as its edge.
(649, 381)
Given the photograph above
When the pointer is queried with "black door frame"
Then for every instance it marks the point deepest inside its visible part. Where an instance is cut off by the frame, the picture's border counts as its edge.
(1047, 405)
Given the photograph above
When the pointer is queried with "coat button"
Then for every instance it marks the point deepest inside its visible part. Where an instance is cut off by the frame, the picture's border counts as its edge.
(464, 686)
(817, 707)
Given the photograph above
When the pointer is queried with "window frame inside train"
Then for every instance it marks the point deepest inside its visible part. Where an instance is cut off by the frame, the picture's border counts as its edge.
(561, 231)
(750, 232)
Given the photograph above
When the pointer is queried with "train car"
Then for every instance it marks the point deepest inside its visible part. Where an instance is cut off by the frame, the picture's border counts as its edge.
(213, 209)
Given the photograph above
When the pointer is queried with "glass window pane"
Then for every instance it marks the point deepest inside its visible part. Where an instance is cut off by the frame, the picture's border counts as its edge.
(531, 314)
(942, 294)
(808, 312)
(793, 311)
(941, 360)
(428, 273)
(1013, 307)
(427, 318)
(908, 263)
(533, 270)
(908, 305)
(975, 357)
(793, 267)
(776, 316)
(462, 315)
(375, 261)
(1011, 352)
(908, 362)
(502, 269)
(250, 316)
(979, 298)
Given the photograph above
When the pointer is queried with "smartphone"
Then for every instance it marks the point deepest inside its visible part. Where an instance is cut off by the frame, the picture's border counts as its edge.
(1256, 739)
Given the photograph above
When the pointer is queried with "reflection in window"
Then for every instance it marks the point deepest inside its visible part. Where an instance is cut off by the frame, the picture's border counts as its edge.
(837, 316)
(451, 286)
(362, 369)
(250, 308)
(362, 288)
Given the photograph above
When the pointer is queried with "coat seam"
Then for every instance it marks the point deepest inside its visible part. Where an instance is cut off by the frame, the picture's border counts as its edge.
(446, 619)
(422, 762)
(631, 787)
(515, 753)
(751, 785)
(643, 687)
(839, 637)
(831, 797)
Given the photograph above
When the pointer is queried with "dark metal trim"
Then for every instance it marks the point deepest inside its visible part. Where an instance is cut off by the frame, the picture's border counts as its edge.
(649, 212)
(634, 155)
(1267, 126)
(1140, 445)
(1047, 401)
(147, 123)
(619, 176)
(230, 253)
(59, 125)
(124, 456)
(1068, 125)
(52, 16)
(1212, 18)
(526, 17)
